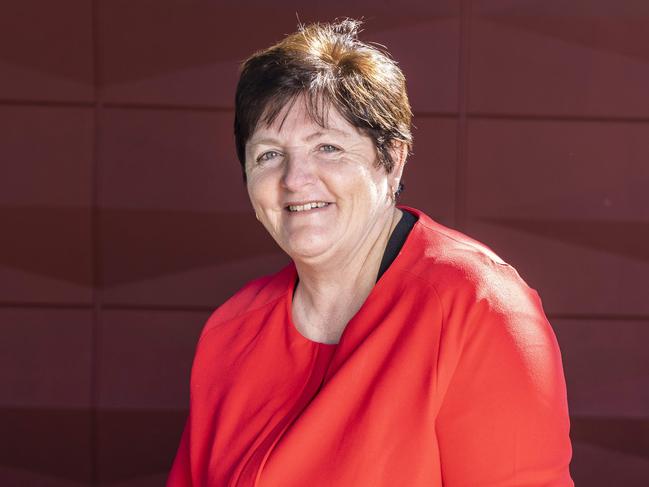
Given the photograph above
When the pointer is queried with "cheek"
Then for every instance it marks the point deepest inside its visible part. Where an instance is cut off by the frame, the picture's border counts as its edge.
(372, 183)
(254, 192)
(261, 192)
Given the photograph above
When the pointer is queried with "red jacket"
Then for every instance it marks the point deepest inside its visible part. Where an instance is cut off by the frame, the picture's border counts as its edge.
(449, 374)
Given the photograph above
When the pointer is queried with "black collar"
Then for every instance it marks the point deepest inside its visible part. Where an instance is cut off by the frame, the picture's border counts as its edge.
(396, 241)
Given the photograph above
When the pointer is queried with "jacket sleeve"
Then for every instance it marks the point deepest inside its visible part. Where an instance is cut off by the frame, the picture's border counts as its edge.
(180, 474)
(503, 419)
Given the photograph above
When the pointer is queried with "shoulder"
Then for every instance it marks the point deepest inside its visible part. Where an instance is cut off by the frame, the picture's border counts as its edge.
(254, 295)
(468, 276)
(490, 314)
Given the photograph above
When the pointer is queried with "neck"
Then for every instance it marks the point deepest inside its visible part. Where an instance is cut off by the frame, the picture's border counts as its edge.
(332, 292)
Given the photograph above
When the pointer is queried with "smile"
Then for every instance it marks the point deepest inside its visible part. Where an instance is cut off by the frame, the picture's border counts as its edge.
(307, 206)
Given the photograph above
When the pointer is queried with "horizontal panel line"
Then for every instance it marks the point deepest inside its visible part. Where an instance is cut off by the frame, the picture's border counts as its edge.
(48, 103)
(597, 317)
(209, 308)
(109, 306)
(157, 106)
(158, 307)
(41, 305)
(452, 115)
(421, 114)
(556, 118)
(118, 410)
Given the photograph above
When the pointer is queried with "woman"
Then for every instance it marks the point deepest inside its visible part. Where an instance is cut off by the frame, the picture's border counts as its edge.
(391, 351)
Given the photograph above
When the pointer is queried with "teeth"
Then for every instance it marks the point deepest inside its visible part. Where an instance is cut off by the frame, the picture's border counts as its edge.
(308, 206)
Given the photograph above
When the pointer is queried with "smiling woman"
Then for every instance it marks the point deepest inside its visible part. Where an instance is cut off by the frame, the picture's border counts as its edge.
(392, 350)
(318, 190)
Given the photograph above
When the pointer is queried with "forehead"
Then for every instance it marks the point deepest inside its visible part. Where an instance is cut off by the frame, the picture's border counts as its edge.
(295, 120)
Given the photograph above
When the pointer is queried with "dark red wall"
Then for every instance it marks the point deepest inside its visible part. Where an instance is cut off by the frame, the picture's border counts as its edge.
(124, 222)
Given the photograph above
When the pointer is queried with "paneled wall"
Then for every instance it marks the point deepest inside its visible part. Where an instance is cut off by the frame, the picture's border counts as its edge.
(124, 219)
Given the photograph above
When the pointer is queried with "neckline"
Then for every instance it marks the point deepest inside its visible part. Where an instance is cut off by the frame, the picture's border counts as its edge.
(292, 282)
(395, 243)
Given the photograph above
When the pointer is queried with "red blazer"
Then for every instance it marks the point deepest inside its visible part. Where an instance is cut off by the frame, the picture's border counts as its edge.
(449, 374)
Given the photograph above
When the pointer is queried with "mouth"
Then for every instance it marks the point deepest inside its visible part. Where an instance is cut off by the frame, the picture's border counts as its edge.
(308, 207)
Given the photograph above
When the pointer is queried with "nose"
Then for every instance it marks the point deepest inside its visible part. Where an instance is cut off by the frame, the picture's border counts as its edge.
(298, 172)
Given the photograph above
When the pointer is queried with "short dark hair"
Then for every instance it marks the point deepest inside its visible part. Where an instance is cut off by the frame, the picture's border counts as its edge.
(327, 64)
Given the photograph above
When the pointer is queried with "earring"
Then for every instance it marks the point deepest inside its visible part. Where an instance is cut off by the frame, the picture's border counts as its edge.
(397, 193)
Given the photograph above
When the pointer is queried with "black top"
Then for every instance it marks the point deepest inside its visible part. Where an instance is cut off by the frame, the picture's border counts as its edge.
(396, 241)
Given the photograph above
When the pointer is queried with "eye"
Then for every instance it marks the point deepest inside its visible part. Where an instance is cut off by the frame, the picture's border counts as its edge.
(329, 148)
(267, 156)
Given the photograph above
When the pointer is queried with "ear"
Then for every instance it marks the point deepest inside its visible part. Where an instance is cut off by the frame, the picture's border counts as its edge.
(399, 153)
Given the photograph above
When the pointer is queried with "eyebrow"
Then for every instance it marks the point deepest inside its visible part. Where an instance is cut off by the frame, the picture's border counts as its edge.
(319, 133)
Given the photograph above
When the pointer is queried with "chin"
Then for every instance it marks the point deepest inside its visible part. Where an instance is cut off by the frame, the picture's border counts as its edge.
(307, 248)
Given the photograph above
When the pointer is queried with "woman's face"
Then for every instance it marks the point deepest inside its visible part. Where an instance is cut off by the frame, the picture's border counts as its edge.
(318, 191)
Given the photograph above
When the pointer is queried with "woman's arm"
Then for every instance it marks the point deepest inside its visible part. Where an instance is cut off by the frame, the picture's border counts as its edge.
(180, 475)
(504, 417)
